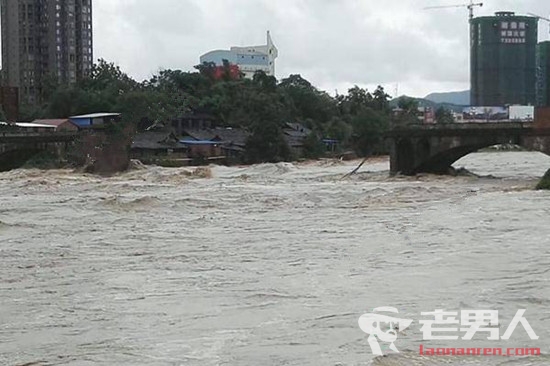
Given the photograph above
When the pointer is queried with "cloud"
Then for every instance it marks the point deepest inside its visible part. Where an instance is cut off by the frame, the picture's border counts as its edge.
(334, 44)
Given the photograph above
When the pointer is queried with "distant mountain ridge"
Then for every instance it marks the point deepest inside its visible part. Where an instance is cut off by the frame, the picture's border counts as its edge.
(456, 98)
(428, 103)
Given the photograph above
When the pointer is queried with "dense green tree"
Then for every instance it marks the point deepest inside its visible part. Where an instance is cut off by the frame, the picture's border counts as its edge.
(443, 115)
(305, 102)
(313, 147)
(369, 127)
(262, 106)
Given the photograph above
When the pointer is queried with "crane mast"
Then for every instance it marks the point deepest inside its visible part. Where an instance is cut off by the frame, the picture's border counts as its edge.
(471, 6)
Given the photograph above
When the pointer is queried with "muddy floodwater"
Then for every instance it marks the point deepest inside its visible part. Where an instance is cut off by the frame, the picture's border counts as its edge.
(268, 265)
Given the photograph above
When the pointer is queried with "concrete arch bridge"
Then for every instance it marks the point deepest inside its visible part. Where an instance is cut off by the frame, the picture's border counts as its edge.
(423, 148)
(17, 148)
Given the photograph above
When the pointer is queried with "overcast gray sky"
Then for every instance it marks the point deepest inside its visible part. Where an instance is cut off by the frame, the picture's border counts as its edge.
(333, 43)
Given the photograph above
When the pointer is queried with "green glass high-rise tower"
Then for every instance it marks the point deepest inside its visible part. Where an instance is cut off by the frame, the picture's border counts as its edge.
(503, 60)
(543, 74)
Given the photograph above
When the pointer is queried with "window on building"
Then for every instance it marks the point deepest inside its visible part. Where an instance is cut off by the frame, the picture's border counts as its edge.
(522, 25)
(504, 25)
(514, 25)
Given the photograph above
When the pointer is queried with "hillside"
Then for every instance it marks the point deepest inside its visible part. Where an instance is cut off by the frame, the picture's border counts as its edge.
(457, 98)
(422, 102)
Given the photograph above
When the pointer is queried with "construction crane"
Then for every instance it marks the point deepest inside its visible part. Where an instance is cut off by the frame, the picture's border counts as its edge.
(470, 7)
(539, 17)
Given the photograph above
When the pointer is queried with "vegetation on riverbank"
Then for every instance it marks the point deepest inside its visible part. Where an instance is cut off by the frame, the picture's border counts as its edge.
(544, 184)
(261, 106)
(46, 160)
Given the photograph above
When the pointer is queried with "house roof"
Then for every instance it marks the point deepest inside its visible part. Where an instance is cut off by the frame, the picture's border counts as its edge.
(203, 134)
(296, 134)
(234, 136)
(298, 127)
(199, 142)
(51, 122)
(156, 140)
(33, 125)
(95, 115)
(224, 136)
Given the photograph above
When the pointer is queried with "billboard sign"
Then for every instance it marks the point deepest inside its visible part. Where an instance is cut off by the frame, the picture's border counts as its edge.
(485, 114)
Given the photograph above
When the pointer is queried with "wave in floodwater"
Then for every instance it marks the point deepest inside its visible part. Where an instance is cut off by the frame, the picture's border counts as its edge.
(271, 264)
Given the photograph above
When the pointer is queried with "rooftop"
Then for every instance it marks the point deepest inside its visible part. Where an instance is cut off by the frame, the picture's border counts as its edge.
(51, 122)
(155, 140)
(33, 125)
(96, 115)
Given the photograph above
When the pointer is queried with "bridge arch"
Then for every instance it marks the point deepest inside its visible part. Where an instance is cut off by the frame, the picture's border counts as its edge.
(435, 148)
(442, 161)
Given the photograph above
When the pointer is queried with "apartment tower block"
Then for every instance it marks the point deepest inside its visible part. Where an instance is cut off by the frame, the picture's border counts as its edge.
(45, 42)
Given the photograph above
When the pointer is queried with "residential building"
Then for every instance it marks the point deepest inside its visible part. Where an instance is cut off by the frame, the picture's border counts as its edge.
(59, 125)
(503, 60)
(212, 142)
(295, 136)
(29, 127)
(249, 59)
(426, 115)
(193, 121)
(44, 42)
(9, 102)
(157, 143)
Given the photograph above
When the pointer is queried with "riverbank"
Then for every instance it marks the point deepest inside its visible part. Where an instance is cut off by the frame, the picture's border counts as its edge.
(544, 184)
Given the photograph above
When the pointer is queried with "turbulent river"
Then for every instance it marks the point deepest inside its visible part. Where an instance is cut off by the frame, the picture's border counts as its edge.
(268, 265)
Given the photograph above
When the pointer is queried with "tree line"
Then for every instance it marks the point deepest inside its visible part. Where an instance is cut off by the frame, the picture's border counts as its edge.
(262, 106)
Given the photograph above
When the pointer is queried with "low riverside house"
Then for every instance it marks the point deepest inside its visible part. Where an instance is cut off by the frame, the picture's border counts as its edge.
(213, 142)
(28, 127)
(234, 141)
(295, 135)
(193, 121)
(202, 148)
(60, 125)
(157, 144)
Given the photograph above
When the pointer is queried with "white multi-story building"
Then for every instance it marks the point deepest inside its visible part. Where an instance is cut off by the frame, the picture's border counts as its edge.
(249, 59)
